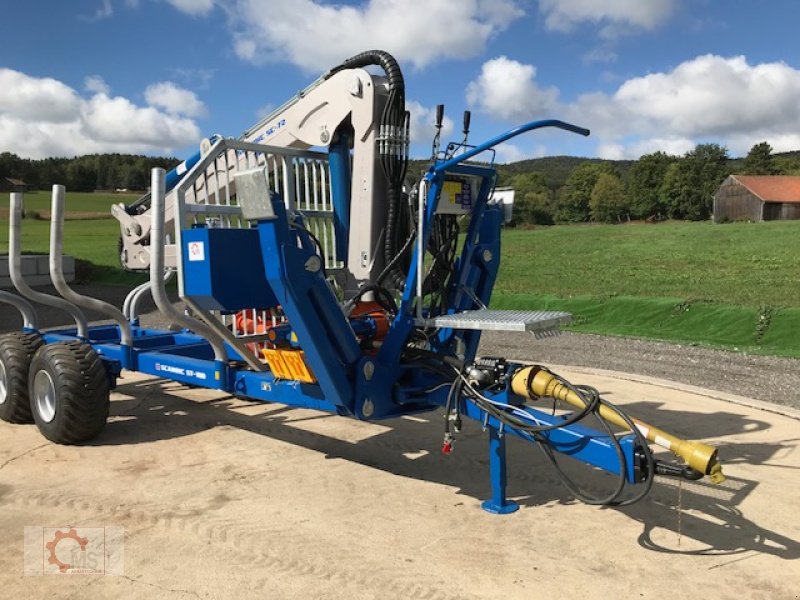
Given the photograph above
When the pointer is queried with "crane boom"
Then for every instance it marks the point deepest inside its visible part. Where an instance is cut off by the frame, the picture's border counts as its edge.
(342, 111)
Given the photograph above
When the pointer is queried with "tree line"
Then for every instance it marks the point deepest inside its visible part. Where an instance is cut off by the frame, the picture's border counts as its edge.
(655, 187)
(548, 190)
(85, 173)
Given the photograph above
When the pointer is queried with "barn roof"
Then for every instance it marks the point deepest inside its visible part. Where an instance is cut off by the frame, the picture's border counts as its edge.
(772, 188)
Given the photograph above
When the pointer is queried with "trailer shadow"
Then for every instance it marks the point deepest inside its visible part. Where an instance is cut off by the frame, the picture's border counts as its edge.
(707, 518)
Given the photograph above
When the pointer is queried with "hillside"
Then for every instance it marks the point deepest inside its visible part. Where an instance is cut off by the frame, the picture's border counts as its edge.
(557, 169)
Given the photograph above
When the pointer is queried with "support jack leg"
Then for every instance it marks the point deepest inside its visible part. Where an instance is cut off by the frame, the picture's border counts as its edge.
(498, 504)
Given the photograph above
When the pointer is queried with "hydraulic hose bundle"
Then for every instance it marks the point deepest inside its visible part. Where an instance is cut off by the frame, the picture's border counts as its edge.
(535, 383)
(393, 141)
(541, 383)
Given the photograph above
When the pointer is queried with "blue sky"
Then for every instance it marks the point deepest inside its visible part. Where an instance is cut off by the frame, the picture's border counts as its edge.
(155, 76)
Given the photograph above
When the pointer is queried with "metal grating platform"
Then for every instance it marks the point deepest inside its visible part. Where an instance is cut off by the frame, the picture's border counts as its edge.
(541, 323)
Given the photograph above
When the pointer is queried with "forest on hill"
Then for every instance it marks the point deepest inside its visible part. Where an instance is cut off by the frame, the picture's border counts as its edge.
(85, 173)
(657, 186)
(559, 189)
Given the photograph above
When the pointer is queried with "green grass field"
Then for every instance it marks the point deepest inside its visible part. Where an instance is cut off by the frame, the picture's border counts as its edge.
(745, 264)
(732, 286)
(39, 201)
(93, 242)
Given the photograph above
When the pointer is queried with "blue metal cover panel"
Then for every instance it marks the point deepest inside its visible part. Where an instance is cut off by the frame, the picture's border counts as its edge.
(223, 269)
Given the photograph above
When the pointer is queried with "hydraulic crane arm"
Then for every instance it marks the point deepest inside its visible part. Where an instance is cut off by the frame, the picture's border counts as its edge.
(344, 111)
(340, 111)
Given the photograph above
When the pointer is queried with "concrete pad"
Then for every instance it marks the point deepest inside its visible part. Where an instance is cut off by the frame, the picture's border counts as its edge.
(36, 270)
(29, 264)
(67, 266)
(222, 498)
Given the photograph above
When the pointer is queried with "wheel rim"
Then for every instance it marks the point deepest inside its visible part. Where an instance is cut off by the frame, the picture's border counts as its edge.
(44, 394)
(3, 383)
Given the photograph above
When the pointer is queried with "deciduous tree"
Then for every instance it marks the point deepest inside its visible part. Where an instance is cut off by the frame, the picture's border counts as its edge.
(645, 180)
(690, 183)
(608, 203)
(573, 206)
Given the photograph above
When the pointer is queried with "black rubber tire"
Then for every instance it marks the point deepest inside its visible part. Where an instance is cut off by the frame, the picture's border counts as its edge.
(16, 351)
(80, 392)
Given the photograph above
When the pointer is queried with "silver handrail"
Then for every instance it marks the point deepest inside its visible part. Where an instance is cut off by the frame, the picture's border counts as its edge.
(131, 307)
(126, 306)
(57, 270)
(157, 204)
(15, 271)
(25, 308)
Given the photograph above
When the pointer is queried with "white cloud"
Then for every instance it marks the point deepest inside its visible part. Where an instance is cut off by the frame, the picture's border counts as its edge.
(264, 110)
(316, 36)
(673, 145)
(96, 85)
(197, 8)
(711, 95)
(611, 151)
(739, 145)
(423, 121)
(602, 115)
(725, 100)
(174, 99)
(600, 54)
(104, 11)
(41, 117)
(44, 99)
(112, 119)
(197, 78)
(507, 89)
(705, 99)
(511, 153)
(614, 16)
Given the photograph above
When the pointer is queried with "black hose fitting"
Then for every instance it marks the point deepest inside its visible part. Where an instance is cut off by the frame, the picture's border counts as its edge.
(675, 470)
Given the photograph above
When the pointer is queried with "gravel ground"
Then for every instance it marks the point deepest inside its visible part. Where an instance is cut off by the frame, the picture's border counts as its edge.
(765, 378)
(762, 378)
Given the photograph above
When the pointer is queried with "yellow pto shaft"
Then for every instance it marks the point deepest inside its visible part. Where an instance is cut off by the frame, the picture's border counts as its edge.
(535, 382)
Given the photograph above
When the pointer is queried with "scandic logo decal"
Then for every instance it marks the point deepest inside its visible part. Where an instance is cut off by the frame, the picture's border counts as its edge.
(181, 371)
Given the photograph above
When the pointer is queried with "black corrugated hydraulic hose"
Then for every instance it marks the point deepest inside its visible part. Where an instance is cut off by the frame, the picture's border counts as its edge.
(380, 58)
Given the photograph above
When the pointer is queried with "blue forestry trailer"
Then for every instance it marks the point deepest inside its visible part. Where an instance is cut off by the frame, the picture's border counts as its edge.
(314, 274)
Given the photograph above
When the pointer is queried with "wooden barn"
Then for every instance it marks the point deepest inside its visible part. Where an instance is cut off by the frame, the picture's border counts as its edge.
(757, 198)
(8, 184)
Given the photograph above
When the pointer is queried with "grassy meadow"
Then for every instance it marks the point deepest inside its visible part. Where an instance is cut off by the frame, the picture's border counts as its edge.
(746, 264)
(90, 233)
(76, 203)
(735, 285)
